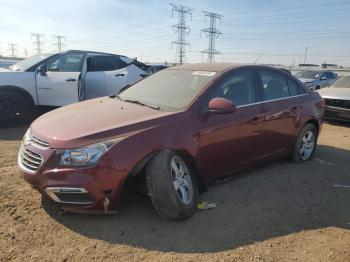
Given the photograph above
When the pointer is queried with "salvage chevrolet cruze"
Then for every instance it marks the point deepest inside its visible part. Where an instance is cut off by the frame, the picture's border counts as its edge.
(178, 129)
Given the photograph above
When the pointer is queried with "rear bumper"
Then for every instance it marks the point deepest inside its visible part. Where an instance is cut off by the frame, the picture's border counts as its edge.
(336, 113)
(87, 190)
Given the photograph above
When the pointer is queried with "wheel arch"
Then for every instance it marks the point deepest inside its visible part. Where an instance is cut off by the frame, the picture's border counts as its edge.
(313, 122)
(18, 90)
(187, 157)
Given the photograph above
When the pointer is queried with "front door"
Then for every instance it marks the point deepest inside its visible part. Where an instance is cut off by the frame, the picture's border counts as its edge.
(231, 141)
(60, 85)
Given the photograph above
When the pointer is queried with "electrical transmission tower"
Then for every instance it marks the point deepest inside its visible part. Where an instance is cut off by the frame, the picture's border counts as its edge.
(212, 33)
(37, 43)
(59, 42)
(13, 49)
(181, 29)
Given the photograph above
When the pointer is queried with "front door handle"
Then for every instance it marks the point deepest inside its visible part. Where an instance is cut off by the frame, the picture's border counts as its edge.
(71, 80)
(119, 75)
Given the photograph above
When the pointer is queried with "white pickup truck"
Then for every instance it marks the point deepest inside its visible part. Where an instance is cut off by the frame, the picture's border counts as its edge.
(61, 79)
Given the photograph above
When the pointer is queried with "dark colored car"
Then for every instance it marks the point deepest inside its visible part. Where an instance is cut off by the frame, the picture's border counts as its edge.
(179, 129)
(337, 100)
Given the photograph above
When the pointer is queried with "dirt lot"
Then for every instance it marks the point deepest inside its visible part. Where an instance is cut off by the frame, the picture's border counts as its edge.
(274, 212)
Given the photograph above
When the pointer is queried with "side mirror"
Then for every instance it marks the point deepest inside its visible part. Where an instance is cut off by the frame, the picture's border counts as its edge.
(323, 78)
(42, 70)
(219, 105)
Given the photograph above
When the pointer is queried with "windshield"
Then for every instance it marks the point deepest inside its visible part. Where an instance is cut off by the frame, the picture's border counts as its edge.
(307, 74)
(170, 90)
(29, 62)
(343, 82)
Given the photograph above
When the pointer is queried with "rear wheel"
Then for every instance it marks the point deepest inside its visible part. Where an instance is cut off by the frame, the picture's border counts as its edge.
(172, 186)
(306, 144)
(15, 109)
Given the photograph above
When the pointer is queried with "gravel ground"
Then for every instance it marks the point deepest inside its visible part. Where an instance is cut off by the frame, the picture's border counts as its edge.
(279, 211)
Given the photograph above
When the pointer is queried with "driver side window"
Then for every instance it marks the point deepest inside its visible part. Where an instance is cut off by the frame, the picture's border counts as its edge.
(70, 62)
(239, 87)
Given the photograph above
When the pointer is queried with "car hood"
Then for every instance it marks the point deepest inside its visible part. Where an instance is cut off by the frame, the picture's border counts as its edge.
(93, 121)
(306, 80)
(335, 93)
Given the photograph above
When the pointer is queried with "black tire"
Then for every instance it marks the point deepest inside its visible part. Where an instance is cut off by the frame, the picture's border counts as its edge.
(296, 157)
(161, 189)
(317, 88)
(15, 109)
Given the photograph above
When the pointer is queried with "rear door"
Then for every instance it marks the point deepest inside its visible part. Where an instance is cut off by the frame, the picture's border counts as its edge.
(282, 105)
(231, 141)
(105, 76)
(60, 85)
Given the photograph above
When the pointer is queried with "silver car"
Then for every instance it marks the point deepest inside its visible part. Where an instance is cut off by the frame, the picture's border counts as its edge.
(337, 99)
(315, 80)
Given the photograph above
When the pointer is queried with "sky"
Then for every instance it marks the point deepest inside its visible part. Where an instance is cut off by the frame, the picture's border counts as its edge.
(262, 31)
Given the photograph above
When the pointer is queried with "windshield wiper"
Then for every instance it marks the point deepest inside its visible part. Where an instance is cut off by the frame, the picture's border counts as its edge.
(142, 104)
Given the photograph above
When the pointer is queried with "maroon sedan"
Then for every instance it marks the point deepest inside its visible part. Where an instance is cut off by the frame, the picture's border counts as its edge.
(178, 129)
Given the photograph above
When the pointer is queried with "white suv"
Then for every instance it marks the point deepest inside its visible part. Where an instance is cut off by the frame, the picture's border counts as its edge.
(62, 79)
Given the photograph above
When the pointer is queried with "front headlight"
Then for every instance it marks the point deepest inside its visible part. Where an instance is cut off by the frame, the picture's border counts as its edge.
(85, 156)
(26, 137)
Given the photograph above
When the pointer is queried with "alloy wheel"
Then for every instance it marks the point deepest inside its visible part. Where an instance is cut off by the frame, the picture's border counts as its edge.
(181, 180)
(307, 145)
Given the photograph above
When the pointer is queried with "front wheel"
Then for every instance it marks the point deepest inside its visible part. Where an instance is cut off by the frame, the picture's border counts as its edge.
(171, 186)
(15, 109)
(305, 144)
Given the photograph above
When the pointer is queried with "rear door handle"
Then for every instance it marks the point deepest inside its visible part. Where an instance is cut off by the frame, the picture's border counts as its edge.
(71, 80)
(119, 75)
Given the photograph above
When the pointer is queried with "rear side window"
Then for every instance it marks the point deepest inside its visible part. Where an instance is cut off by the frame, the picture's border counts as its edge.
(104, 63)
(274, 85)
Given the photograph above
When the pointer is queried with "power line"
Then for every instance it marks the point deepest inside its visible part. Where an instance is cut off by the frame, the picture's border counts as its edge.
(37, 43)
(59, 42)
(212, 33)
(181, 29)
(13, 49)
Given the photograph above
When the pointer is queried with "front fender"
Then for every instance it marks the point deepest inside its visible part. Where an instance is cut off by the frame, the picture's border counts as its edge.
(19, 81)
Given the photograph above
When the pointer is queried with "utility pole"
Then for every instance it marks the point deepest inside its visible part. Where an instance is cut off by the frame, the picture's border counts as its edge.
(212, 33)
(181, 29)
(12, 48)
(37, 43)
(305, 55)
(59, 42)
(25, 52)
(257, 59)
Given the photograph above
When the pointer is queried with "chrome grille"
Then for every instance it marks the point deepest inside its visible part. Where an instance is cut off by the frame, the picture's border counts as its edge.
(29, 159)
(338, 103)
(40, 142)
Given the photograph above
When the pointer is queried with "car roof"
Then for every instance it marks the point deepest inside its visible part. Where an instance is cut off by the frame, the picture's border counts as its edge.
(93, 52)
(214, 67)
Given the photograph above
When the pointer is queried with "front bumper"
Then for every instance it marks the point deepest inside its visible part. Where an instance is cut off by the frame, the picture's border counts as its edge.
(336, 113)
(88, 190)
